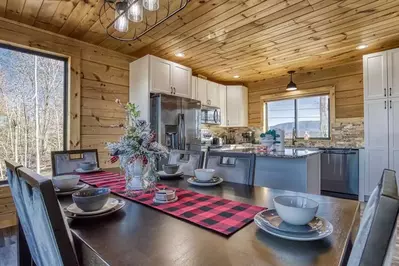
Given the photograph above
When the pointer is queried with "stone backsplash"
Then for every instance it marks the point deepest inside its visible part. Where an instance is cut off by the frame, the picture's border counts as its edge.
(346, 132)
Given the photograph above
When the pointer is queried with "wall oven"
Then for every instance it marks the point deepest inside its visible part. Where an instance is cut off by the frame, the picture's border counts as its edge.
(210, 115)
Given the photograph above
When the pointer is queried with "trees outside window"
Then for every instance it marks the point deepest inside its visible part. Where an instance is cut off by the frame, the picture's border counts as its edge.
(32, 92)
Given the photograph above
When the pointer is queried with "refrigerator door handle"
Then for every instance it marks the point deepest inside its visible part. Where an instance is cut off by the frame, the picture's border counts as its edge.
(181, 132)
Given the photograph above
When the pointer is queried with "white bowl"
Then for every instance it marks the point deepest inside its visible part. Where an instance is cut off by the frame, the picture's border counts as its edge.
(295, 210)
(204, 174)
(65, 182)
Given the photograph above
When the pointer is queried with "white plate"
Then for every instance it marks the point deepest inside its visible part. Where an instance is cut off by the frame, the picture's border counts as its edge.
(121, 204)
(204, 184)
(325, 231)
(273, 220)
(111, 203)
(81, 171)
(162, 202)
(70, 192)
(163, 174)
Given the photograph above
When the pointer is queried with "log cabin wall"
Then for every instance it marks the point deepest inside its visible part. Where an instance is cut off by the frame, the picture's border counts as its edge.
(97, 77)
(347, 79)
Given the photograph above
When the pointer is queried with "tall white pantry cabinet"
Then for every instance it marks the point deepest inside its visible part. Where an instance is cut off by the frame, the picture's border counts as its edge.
(381, 115)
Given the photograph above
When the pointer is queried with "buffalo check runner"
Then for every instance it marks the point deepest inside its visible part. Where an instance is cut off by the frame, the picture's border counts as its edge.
(215, 213)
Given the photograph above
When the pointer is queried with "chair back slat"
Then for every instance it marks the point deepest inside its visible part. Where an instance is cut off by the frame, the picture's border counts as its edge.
(376, 237)
(44, 225)
(236, 167)
(64, 162)
(188, 161)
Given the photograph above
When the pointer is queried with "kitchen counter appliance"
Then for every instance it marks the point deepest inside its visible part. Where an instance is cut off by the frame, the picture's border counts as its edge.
(340, 172)
(210, 115)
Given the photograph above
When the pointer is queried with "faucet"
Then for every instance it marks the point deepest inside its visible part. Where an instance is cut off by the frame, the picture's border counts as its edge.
(293, 136)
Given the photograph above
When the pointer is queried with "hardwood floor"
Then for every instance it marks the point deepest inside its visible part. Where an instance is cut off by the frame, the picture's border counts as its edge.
(8, 246)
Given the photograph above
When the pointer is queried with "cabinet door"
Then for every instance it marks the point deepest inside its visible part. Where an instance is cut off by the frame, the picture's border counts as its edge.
(393, 134)
(233, 105)
(202, 91)
(223, 102)
(181, 80)
(374, 76)
(376, 140)
(244, 107)
(393, 72)
(213, 94)
(161, 75)
(194, 81)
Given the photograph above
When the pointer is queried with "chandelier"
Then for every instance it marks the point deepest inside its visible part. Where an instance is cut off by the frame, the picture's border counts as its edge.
(135, 12)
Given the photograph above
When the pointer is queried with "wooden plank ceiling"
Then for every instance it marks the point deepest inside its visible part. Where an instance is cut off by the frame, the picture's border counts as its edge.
(255, 39)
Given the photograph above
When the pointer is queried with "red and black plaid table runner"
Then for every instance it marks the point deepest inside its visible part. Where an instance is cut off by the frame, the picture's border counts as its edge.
(215, 213)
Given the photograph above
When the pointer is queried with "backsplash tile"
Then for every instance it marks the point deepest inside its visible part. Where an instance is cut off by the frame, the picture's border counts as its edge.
(346, 132)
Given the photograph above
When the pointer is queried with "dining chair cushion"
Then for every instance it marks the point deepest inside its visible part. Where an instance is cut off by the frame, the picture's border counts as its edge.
(186, 165)
(63, 163)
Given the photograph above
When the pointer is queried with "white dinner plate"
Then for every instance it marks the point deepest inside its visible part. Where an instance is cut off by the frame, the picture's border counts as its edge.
(163, 174)
(120, 205)
(78, 187)
(163, 201)
(111, 203)
(273, 220)
(323, 232)
(81, 171)
(192, 181)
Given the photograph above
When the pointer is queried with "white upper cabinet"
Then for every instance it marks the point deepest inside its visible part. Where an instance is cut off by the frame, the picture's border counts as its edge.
(213, 94)
(393, 72)
(161, 75)
(237, 106)
(194, 81)
(169, 77)
(375, 82)
(202, 91)
(181, 80)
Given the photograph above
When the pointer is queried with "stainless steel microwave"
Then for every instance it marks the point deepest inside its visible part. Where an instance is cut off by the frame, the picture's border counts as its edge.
(210, 115)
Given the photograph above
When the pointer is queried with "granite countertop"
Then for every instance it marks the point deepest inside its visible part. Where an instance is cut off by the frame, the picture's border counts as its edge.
(287, 154)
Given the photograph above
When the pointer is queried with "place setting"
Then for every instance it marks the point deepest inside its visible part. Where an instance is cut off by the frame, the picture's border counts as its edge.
(205, 178)
(88, 167)
(67, 184)
(295, 219)
(170, 171)
(93, 203)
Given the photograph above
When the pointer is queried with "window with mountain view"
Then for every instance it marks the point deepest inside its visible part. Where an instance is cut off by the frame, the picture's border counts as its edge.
(32, 108)
(309, 115)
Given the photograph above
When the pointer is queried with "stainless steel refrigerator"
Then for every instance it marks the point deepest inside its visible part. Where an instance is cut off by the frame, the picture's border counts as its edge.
(176, 121)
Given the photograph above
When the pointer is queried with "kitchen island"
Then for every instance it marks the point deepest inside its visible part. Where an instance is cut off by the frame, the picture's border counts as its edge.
(294, 169)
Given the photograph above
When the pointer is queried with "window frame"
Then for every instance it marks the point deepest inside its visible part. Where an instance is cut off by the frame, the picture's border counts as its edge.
(66, 82)
(294, 95)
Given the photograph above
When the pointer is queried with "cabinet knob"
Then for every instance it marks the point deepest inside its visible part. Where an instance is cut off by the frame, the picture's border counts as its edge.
(385, 92)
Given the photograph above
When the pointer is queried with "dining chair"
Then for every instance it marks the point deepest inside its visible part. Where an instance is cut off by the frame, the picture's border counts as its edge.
(376, 238)
(44, 226)
(63, 162)
(237, 167)
(188, 161)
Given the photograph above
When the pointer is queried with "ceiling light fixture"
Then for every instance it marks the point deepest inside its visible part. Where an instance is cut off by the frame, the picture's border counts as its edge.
(362, 46)
(236, 76)
(133, 10)
(291, 86)
(179, 54)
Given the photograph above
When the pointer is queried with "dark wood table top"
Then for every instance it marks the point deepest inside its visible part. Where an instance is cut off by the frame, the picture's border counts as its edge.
(140, 235)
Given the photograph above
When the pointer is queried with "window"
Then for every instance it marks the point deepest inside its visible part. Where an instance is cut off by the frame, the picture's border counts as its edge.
(33, 89)
(308, 115)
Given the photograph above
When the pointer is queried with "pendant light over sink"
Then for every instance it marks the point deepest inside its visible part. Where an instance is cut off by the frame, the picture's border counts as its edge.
(291, 86)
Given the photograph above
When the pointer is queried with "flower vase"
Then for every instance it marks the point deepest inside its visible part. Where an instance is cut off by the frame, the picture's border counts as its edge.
(134, 175)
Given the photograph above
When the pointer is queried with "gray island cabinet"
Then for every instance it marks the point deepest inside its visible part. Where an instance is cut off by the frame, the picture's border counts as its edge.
(294, 169)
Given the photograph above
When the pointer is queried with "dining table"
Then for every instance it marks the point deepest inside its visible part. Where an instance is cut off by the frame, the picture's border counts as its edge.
(140, 235)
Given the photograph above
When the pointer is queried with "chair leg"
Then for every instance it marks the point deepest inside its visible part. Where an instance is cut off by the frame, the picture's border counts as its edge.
(24, 257)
